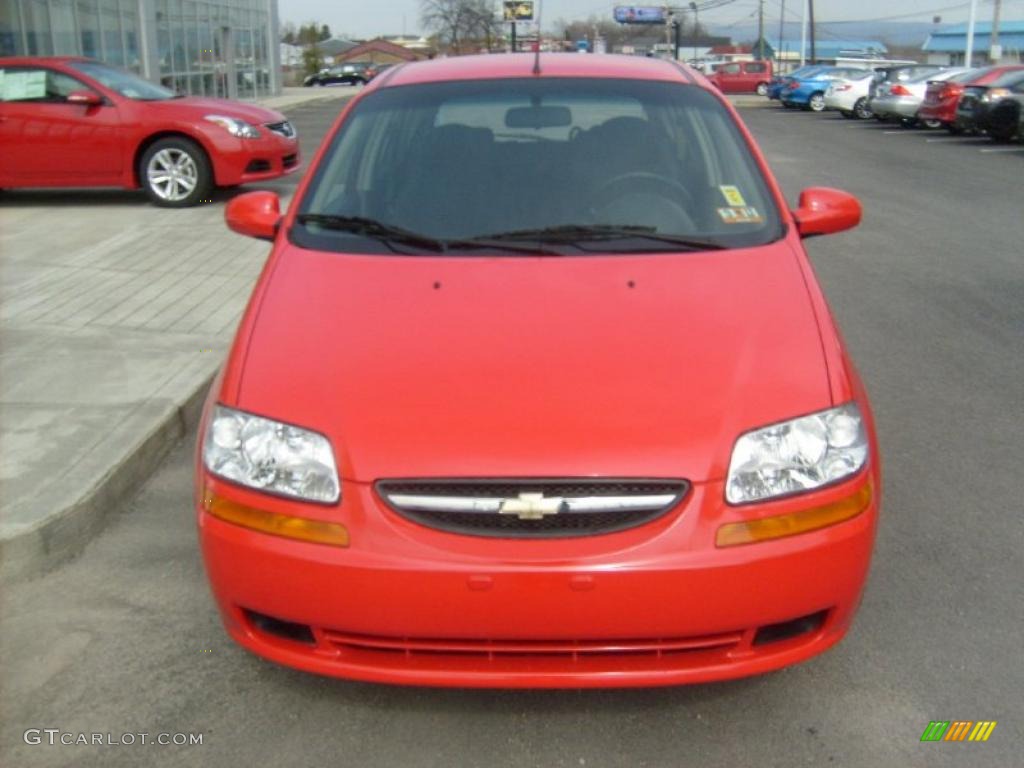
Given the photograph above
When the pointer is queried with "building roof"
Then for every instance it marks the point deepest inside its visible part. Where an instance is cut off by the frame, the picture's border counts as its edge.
(381, 46)
(953, 39)
(335, 46)
(831, 49)
(724, 50)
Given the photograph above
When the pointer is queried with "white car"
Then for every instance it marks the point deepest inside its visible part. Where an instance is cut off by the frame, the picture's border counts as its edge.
(850, 96)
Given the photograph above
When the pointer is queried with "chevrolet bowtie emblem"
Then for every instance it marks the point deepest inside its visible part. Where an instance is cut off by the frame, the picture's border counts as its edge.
(532, 506)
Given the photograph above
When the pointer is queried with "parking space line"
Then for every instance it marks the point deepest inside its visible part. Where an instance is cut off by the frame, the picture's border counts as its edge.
(901, 132)
(957, 138)
(991, 150)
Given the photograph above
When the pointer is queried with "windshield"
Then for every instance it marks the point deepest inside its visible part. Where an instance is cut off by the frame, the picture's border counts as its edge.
(125, 83)
(584, 164)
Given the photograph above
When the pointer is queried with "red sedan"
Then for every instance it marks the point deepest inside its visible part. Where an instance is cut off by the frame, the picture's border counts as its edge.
(538, 389)
(942, 97)
(69, 122)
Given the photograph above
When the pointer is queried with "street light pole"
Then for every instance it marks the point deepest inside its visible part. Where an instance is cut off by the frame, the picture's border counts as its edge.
(969, 53)
(696, 26)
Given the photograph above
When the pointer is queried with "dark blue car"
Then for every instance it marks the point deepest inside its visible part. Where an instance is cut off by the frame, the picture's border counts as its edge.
(808, 92)
(779, 82)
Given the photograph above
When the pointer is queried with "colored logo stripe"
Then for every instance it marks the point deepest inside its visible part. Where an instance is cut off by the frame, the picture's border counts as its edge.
(983, 730)
(958, 730)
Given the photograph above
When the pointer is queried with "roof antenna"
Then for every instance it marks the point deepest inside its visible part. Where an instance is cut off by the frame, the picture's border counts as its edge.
(536, 45)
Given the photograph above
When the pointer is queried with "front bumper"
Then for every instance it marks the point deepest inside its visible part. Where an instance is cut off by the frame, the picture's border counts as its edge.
(656, 605)
(240, 161)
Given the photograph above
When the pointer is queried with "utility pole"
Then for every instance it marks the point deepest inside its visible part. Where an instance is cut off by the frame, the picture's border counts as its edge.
(696, 26)
(803, 36)
(969, 53)
(996, 51)
(782, 32)
(760, 30)
(814, 53)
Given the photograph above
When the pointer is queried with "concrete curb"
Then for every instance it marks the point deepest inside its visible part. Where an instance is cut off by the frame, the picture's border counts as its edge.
(65, 534)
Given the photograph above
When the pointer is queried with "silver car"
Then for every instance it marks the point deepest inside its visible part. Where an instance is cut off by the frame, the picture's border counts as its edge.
(903, 100)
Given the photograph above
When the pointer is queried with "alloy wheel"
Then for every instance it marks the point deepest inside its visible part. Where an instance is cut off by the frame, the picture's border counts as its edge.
(172, 174)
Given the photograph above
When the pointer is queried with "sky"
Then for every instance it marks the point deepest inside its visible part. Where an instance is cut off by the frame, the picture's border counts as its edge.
(392, 17)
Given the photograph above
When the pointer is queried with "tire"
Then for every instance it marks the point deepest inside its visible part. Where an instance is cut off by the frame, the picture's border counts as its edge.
(817, 102)
(908, 122)
(762, 89)
(862, 110)
(175, 172)
(847, 115)
(931, 124)
(954, 130)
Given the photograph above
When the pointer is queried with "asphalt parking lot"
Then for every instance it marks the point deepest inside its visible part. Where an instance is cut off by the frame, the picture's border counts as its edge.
(928, 292)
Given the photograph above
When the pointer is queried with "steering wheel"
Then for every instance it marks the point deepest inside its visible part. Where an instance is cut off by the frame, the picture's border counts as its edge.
(670, 193)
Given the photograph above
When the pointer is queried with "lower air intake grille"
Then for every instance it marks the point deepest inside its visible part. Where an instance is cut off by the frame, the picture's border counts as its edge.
(539, 508)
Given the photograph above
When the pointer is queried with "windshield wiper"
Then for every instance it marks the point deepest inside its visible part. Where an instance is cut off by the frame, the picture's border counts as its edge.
(389, 233)
(575, 234)
(360, 225)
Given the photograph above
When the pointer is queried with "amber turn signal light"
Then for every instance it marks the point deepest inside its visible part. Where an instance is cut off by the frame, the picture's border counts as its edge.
(303, 529)
(780, 526)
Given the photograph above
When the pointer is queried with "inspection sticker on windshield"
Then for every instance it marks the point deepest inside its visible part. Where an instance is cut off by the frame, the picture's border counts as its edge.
(732, 195)
(740, 214)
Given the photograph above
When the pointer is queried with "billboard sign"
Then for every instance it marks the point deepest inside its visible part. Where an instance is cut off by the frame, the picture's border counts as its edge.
(518, 11)
(639, 14)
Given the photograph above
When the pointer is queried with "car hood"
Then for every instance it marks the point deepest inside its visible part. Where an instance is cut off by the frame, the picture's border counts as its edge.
(251, 113)
(640, 366)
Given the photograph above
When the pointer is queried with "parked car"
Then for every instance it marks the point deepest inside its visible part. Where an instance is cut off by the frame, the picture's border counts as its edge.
(779, 82)
(459, 439)
(977, 109)
(808, 92)
(902, 100)
(941, 98)
(904, 73)
(849, 96)
(131, 133)
(1006, 120)
(349, 73)
(743, 77)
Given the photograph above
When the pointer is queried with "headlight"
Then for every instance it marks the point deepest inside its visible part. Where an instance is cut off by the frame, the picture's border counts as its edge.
(270, 456)
(797, 455)
(235, 127)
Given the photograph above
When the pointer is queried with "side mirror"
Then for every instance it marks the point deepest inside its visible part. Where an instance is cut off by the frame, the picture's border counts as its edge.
(254, 214)
(824, 211)
(85, 98)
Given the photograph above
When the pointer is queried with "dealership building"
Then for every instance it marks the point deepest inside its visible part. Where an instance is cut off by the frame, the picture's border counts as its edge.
(223, 48)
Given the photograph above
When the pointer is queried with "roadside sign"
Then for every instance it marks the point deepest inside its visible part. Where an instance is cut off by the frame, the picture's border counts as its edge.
(518, 10)
(639, 14)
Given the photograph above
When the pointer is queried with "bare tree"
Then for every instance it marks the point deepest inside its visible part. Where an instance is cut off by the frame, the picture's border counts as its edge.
(458, 22)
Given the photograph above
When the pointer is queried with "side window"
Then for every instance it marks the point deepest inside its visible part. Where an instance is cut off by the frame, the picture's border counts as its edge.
(37, 85)
(756, 67)
(730, 69)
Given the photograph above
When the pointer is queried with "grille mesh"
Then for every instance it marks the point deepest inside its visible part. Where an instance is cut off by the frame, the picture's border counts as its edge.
(550, 526)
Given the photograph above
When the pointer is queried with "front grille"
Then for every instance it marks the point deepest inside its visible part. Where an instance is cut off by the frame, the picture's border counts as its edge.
(284, 128)
(540, 508)
(289, 161)
(257, 166)
(497, 649)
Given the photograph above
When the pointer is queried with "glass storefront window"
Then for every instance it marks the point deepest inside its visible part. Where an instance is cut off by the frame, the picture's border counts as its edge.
(62, 20)
(88, 29)
(10, 30)
(37, 28)
(113, 47)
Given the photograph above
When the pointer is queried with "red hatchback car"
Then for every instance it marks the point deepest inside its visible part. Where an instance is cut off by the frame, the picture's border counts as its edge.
(538, 389)
(69, 122)
(943, 96)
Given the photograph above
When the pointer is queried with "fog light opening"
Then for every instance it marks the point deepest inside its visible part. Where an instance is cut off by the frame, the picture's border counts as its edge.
(773, 633)
(287, 630)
